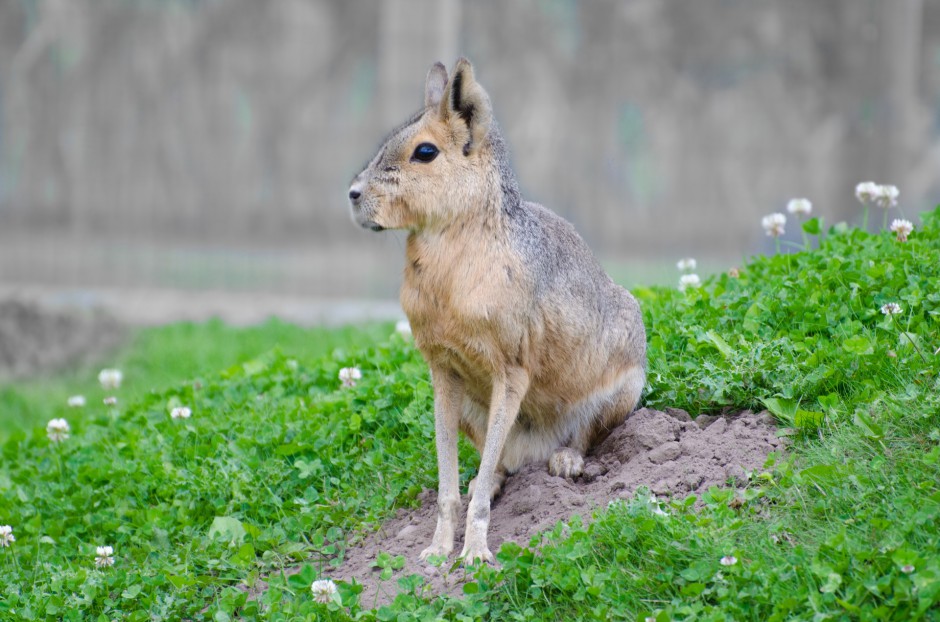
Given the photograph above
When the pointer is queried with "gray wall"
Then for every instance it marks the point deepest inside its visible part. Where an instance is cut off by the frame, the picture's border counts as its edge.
(199, 143)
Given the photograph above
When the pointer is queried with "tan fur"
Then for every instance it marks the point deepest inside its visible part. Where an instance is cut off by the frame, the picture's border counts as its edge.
(534, 353)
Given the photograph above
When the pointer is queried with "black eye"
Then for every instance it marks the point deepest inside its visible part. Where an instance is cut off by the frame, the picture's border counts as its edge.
(425, 152)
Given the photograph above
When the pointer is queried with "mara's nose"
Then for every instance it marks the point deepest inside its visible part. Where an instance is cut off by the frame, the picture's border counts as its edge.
(354, 195)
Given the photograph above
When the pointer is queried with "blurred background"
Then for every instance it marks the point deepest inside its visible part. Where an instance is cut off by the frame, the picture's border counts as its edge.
(178, 158)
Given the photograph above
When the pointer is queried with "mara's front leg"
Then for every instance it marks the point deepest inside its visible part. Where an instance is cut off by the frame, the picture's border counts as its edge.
(508, 391)
(448, 401)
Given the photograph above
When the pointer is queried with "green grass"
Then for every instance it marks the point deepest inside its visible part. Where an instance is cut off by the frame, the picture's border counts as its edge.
(160, 357)
(281, 465)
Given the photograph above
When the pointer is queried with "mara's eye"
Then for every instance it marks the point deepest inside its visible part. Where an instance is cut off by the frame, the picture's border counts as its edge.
(425, 152)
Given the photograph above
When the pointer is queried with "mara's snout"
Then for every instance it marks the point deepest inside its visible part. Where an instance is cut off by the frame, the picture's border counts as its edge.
(363, 210)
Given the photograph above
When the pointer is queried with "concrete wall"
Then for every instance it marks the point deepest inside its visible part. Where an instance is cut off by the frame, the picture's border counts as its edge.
(660, 128)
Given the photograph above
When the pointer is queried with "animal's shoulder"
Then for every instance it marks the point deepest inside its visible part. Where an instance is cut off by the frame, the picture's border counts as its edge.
(551, 247)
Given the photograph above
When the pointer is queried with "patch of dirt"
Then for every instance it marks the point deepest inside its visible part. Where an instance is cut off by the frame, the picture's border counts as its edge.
(34, 339)
(666, 451)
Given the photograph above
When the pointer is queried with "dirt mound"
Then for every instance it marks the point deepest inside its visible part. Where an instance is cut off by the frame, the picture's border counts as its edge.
(665, 451)
(34, 339)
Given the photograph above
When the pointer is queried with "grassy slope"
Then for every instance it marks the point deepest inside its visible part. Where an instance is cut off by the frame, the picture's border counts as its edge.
(161, 357)
(279, 463)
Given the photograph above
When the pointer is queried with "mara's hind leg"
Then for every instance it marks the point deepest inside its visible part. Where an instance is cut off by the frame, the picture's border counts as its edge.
(568, 461)
(617, 410)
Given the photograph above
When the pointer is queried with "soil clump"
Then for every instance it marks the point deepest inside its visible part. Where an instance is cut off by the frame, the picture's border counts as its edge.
(668, 452)
(35, 340)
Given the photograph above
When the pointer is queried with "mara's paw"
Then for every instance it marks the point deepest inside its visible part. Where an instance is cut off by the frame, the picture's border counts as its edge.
(476, 552)
(435, 550)
(566, 462)
(498, 480)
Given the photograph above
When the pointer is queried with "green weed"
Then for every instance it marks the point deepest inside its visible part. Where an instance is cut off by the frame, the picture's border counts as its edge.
(160, 357)
(280, 465)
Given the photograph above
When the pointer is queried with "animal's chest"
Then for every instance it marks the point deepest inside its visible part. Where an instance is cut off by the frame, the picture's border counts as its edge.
(465, 309)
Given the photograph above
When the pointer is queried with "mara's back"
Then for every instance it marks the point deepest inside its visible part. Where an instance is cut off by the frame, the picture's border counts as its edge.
(588, 325)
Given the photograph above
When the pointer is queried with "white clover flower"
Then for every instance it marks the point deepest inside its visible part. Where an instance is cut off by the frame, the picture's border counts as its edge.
(649, 619)
(181, 412)
(110, 378)
(656, 507)
(57, 430)
(403, 328)
(729, 560)
(887, 196)
(104, 556)
(867, 191)
(891, 308)
(689, 280)
(907, 568)
(323, 591)
(686, 264)
(77, 401)
(773, 224)
(349, 376)
(902, 227)
(110, 401)
(802, 207)
(6, 535)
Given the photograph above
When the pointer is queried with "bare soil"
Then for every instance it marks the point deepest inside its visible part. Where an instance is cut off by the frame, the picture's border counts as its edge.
(667, 452)
(35, 339)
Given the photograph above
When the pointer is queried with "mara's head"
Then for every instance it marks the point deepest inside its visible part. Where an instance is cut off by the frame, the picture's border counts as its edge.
(434, 165)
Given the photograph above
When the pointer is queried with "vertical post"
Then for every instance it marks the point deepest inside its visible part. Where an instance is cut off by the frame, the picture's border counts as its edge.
(448, 31)
(413, 35)
(900, 48)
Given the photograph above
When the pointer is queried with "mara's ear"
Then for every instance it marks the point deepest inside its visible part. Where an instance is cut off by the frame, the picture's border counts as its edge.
(465, 102)
(434, 85)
